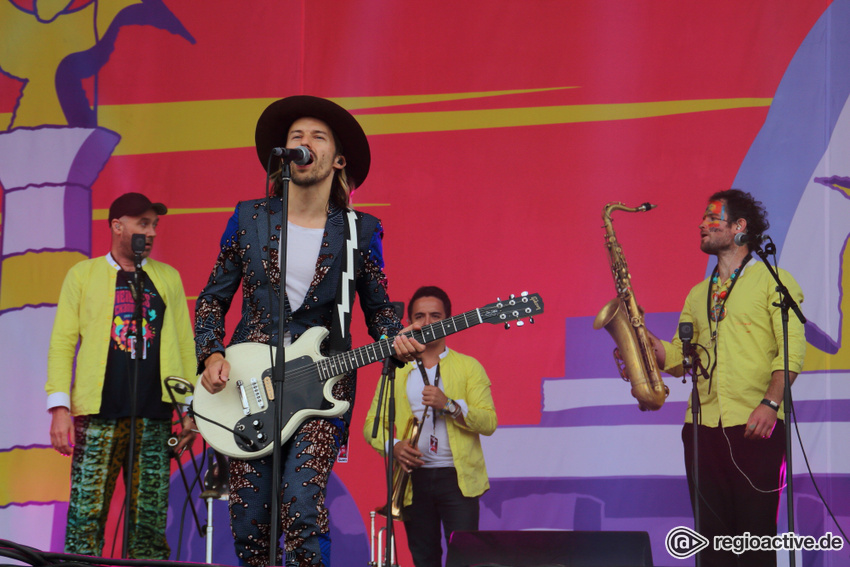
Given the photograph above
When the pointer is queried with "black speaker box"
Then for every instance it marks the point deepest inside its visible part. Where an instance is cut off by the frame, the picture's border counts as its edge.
(549, 549)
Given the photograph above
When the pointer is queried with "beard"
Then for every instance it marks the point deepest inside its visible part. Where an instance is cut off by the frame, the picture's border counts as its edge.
(320, 171)
(714, 247)
(708, 247)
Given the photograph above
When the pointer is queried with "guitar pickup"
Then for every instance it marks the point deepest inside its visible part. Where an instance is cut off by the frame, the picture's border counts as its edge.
(267, 383)
(255, 387)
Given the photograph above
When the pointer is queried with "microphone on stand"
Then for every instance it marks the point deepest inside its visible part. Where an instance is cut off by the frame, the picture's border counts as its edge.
(299, 156)
(755, 243)
(743, 238)
(686, 335)
(138, 243)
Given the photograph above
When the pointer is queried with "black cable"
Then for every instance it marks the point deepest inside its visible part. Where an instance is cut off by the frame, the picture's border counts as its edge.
(242, 436)
(699, 366)
(118, 524)
(187, 502)
(811, 475)
(24, 553)
(69, 560)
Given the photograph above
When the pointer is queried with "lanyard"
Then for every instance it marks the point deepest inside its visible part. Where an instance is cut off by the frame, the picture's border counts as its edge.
(717, 312)
(428, 383)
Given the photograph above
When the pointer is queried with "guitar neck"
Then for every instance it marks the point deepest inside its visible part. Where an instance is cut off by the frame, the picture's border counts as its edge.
(361, 356)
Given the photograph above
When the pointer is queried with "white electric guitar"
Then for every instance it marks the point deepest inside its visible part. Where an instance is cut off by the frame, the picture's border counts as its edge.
(239, 420)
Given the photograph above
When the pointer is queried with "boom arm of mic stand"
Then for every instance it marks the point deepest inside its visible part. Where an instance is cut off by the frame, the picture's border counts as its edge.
(787, 301)
(385, 375)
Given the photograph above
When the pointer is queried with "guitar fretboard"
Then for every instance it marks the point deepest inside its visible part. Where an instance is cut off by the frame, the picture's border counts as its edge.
(361, 356)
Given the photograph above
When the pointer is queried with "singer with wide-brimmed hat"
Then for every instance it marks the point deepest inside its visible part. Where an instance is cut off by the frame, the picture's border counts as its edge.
(328, 156)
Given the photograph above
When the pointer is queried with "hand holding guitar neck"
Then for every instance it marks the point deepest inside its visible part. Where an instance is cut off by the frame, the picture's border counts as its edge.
(405, 347)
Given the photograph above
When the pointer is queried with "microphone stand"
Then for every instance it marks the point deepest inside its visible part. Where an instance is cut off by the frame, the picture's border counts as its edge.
(690, 363)
(387, 377)
(279, 370)
(138, 293)
(786, 303)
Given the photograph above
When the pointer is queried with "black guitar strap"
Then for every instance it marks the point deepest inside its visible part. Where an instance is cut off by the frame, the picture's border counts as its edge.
(339, 339)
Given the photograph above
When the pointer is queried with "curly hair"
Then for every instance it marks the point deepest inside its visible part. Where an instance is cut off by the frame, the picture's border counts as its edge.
(742, 205)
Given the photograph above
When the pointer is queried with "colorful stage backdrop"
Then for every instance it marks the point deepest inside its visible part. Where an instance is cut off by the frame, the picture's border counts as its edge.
(499, 130)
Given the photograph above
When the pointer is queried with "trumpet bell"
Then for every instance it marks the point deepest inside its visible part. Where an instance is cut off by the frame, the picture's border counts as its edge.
(382, 511)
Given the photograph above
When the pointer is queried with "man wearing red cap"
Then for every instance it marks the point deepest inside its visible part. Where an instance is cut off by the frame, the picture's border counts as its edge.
(318, 229)
(96, 311)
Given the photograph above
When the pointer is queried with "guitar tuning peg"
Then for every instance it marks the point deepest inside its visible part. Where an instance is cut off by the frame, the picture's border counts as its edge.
(531, 320)
(520, 323)
(507, 325)
(524, 294)
(512, 296)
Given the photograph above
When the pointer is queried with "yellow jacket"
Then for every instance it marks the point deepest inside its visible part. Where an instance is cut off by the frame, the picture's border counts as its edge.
(84, 315)
(463, 379)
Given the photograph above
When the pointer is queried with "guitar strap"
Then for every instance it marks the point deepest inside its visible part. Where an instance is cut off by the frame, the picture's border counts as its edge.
(341, 324)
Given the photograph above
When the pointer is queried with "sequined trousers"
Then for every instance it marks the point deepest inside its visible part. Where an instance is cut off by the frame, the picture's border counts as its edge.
(306, 462)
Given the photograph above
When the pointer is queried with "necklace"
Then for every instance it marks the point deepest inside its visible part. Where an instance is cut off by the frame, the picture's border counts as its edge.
(718, 295)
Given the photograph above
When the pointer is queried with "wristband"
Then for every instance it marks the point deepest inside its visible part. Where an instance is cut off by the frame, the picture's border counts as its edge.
(771, 404)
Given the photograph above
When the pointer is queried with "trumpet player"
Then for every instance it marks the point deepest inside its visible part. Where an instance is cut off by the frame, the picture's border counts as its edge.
(449, 393)
(737, 326)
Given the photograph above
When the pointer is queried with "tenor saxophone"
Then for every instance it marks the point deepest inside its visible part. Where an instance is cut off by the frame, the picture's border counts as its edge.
(623, 319)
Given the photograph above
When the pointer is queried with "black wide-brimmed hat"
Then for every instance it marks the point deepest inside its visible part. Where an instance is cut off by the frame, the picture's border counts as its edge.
(273, 128)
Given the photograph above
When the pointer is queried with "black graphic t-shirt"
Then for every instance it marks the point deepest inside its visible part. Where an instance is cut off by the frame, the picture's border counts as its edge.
(123, 347)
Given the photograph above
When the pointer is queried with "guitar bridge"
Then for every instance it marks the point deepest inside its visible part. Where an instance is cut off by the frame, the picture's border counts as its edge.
(246, 409)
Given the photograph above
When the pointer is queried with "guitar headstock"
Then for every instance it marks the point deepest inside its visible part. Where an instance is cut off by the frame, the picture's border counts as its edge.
(513, 309)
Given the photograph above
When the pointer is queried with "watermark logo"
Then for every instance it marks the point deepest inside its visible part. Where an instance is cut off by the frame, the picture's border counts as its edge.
(683, 542)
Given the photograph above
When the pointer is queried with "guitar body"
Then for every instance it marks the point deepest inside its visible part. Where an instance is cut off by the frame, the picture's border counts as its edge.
(248, 435)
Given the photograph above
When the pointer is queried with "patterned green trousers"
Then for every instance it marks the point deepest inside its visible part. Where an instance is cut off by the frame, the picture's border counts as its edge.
(100, 455)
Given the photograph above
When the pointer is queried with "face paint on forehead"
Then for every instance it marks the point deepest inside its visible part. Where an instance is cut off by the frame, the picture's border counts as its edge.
(715, 208)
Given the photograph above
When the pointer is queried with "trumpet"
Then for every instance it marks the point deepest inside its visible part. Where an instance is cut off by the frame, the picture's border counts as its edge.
(400, 476)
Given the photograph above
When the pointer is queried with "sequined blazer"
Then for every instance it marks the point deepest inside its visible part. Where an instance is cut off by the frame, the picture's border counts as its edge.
(249, 256)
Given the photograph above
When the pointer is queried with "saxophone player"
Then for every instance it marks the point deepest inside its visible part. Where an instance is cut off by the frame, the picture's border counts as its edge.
(446, 463)
(737, 325)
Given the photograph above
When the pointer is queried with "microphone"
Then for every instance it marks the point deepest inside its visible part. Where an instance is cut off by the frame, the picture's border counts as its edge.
(298, 156)
(743, 238)
(686, 335)
(138, 243)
